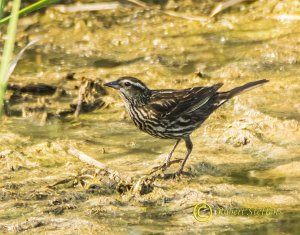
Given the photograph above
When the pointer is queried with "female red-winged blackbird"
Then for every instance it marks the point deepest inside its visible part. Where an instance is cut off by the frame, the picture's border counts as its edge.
(173, 114)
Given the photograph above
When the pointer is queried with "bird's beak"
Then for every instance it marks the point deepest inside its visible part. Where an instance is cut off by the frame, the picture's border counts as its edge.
(113, 84)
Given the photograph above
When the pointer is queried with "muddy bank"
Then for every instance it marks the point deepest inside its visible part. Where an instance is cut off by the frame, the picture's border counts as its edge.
(245, 156)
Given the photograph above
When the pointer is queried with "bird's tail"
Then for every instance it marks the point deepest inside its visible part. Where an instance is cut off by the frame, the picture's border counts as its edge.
(225, 96)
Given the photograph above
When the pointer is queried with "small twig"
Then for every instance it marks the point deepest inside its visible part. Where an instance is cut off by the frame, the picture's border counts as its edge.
(89, 160)
(81, 93)
(183, 16)
(88, 7)
(224, 5)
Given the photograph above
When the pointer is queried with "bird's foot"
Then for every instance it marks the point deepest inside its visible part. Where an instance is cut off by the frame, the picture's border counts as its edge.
(165, 165)
(162, 167)
(177, 174)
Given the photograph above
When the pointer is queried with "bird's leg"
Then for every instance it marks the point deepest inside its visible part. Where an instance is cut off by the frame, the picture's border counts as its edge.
(189, 147)
(167, 162)
(165, 165)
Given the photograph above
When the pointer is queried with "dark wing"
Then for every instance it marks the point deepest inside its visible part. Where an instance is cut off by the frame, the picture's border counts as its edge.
(173, 103)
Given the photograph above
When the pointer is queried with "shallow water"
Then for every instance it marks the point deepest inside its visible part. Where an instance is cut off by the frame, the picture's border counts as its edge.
(246, 155)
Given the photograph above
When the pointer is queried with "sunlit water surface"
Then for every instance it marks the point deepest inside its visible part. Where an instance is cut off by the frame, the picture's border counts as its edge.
(247, 154)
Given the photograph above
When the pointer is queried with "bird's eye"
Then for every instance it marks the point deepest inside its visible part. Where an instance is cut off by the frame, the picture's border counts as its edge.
(127, 84)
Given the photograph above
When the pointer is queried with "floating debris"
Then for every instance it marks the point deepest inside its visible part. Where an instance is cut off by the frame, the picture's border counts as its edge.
(40, 101)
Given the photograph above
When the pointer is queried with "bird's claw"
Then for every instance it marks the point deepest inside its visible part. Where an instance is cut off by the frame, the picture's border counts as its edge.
(177, 174)
(162, 167)
(165, 165)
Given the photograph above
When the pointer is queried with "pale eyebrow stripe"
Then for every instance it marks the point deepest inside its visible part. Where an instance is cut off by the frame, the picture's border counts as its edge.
(135, 84)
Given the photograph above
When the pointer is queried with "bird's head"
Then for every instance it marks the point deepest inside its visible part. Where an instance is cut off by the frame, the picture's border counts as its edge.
(131, 89)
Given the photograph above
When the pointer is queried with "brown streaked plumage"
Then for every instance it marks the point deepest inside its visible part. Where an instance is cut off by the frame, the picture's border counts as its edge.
(173, 114)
